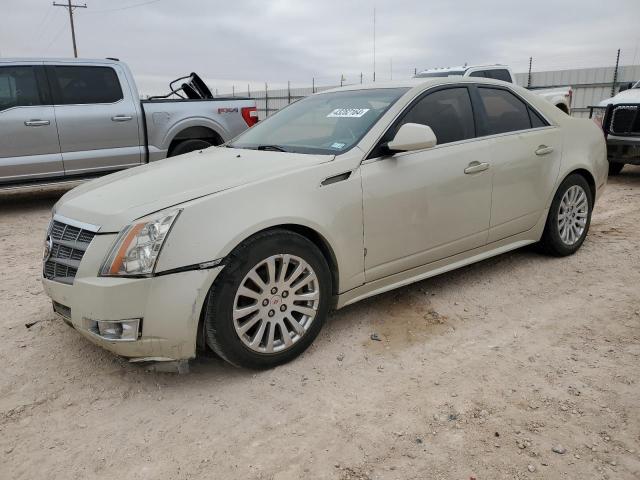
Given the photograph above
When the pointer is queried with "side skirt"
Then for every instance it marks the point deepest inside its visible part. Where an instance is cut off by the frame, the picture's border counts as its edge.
(441, 266)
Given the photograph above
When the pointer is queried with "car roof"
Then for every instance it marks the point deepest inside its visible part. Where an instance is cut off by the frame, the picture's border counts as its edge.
(462, 68)
(58, 60)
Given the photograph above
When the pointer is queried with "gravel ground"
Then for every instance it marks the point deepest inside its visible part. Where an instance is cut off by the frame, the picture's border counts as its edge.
(481, 373)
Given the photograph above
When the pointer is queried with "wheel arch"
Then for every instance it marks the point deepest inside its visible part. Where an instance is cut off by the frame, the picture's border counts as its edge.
(587, 176)
(310, 234)
(196, 132)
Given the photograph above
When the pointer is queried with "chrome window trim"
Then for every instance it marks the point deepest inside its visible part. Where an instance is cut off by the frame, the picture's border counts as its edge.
(551, 124)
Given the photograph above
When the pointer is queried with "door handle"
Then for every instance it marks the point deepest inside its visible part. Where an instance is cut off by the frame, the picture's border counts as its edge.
(37, 123)
(121, 118)
(544, 150)
(475, 167)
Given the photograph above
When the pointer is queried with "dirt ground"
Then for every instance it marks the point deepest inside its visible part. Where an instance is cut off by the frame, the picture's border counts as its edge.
(479, 373)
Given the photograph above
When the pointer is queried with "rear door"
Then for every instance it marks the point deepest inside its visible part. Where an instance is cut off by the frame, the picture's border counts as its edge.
(97, 117)
(29, 148)
(525, 159)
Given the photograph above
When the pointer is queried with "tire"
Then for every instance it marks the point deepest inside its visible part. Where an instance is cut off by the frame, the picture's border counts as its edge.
(187, 146)
(246, 340)
(615, 168)
(577, 217)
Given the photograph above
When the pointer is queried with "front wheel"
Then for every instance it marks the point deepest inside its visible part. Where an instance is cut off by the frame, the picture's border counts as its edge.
(269, 302)
(569, 217)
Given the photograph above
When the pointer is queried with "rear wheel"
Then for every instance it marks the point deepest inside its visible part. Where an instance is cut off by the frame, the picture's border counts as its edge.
(269, 302)
(615, 168)
(190, 145)
(569, 217)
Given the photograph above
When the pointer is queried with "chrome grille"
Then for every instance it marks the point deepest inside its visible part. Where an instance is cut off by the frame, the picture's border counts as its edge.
(625, 120)
(69, 242)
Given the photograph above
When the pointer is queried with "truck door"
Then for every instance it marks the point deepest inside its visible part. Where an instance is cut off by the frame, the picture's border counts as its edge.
(29, 148)
(97, 118)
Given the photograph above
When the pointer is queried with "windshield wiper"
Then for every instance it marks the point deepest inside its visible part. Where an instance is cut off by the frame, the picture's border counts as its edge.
(272, 148)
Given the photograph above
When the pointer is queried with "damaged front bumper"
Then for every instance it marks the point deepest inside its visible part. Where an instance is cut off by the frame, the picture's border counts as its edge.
(154, 318)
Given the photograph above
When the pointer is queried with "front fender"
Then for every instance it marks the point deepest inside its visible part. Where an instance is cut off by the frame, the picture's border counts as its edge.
(211, 227)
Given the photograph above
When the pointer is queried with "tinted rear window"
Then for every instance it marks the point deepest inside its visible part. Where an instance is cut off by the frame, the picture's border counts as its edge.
(83, 85)
(18, 87)
(536, 120)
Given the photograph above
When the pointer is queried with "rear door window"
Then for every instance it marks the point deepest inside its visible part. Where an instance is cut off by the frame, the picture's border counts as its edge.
(77, 85)
(18, 87)
(504, 111)
(536, 120)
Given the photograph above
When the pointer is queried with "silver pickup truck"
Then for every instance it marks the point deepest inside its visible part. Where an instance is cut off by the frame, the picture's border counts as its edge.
(68, 119)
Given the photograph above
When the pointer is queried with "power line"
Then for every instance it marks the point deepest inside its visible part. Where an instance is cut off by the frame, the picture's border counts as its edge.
(69, 6)
(126, 7)
(55, 37)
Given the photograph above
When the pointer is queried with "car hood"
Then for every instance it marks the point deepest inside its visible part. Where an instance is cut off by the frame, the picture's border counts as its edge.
(628, 96)
(116, 200)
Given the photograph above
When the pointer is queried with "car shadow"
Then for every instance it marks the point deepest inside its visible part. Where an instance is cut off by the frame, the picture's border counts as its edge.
(630, 175)
(14, 201)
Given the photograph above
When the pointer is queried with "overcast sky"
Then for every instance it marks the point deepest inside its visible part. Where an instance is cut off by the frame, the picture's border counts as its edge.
(250, 41)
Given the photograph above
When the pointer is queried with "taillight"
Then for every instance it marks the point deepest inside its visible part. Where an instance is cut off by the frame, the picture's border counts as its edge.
(250, 115)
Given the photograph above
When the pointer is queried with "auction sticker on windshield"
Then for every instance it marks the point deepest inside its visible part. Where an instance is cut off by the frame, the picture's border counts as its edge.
(348, 113)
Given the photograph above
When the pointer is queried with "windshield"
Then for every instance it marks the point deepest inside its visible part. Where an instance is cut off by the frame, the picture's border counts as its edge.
(637, 85)
(328, 123)
(451, 73)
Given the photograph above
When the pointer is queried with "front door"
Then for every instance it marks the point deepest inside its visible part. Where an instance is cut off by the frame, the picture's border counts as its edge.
(426, 205)
(29, 148)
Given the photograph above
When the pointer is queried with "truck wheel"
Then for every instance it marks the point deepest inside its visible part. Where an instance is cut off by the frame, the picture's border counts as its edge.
(187, 146)
(569, 217)
(269, 302)
(615, 168)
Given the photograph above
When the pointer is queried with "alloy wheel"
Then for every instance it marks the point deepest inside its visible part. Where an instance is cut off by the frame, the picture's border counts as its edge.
(572, 215)
(276, 303)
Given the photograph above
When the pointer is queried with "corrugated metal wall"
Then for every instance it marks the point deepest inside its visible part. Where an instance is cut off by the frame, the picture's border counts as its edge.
(590, 86)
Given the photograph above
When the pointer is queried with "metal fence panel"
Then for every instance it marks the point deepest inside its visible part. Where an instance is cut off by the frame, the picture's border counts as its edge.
(590, 87)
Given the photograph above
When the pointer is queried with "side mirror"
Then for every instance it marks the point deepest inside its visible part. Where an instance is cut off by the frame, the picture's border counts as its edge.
(625, 86)
(412, 136)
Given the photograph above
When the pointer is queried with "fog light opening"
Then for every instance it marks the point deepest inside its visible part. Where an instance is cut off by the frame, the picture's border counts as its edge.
(115, 330)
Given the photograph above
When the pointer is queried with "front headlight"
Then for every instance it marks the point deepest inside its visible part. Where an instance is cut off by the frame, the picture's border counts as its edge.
(136, 249)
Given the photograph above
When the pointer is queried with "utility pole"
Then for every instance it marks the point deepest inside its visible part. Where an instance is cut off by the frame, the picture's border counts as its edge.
(529, 77)
(69, 6)
(615, 75)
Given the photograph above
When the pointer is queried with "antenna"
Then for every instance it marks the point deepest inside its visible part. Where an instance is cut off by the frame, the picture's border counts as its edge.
(374, 44)
(71, 7)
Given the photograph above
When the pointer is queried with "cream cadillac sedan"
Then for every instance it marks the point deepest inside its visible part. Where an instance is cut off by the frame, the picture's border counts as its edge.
(348, 193)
